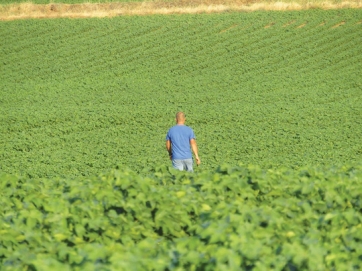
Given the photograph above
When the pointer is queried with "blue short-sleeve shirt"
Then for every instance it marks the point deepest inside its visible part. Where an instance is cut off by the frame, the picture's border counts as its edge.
(180, 136)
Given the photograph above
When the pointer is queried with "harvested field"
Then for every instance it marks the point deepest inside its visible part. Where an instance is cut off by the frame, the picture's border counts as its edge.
(91, 10)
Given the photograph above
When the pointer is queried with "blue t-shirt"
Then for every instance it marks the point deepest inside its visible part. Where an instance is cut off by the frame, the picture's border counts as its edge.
(180, 136)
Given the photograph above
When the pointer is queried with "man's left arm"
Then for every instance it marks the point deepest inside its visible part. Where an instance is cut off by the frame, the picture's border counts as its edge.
(195, 150)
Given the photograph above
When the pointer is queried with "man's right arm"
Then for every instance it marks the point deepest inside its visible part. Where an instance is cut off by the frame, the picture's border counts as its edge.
(168, 148)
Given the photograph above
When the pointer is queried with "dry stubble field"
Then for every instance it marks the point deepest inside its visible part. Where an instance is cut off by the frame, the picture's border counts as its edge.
(28, 10)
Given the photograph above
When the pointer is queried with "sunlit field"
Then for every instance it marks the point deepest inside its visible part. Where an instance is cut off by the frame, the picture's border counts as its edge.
(274, 98)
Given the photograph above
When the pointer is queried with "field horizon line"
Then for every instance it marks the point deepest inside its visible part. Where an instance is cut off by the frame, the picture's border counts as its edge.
(100, 10)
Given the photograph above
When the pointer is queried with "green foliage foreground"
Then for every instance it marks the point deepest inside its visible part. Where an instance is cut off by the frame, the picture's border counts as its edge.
(233, 218)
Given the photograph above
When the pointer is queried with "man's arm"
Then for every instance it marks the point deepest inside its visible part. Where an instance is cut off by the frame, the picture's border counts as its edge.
(168, 148)
(195, 150)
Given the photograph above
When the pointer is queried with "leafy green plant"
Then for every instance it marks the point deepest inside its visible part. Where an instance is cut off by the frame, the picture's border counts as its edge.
(236, 217)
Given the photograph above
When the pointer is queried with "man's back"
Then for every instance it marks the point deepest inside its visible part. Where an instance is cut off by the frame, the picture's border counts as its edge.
(180, 136)
(180, 139)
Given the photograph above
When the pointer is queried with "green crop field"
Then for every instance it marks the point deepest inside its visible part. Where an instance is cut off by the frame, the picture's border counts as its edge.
(79, 96)
(274, 99)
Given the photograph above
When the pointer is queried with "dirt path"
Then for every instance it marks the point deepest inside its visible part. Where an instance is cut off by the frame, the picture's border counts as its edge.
(88, 10)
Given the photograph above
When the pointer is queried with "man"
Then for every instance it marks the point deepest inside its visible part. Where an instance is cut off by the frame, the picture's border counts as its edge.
(179, 139)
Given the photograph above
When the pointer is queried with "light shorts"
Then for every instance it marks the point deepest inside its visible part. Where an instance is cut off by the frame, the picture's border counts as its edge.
(183, 164)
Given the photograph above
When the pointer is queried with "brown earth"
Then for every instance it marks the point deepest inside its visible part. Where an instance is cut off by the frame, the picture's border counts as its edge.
(87, 10)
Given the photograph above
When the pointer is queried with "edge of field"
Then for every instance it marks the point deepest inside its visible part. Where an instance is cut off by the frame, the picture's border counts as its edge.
(99, 10)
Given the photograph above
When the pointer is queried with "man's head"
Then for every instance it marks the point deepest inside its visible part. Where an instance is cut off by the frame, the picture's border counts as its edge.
(180, 117)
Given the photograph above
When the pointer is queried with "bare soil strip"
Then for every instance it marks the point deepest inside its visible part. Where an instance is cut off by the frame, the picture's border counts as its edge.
(89, 10)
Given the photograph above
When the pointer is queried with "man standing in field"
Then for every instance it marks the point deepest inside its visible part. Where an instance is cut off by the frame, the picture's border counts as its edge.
(180, 139)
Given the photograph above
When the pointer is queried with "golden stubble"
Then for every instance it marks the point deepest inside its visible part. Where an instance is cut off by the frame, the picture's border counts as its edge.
(89, 10)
